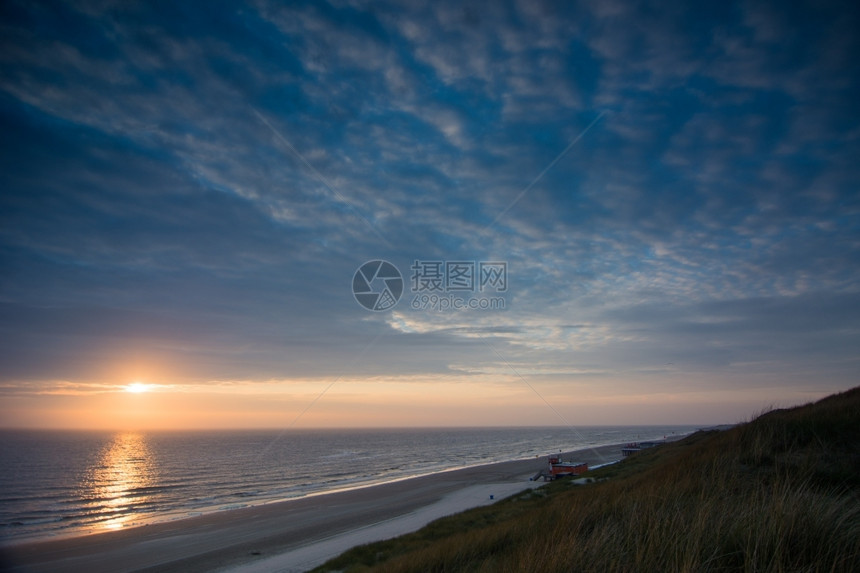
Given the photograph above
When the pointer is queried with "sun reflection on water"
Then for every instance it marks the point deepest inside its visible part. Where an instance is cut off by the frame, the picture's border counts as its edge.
(117, 487)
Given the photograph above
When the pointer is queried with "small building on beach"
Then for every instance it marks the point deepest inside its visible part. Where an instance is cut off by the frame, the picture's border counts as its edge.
(632, 448)
(559, 468)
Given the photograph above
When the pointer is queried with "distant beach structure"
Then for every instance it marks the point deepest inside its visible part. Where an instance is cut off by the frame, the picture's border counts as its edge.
(634, 447)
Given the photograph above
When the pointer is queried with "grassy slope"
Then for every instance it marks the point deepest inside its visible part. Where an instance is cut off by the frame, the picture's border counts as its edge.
(780, 493)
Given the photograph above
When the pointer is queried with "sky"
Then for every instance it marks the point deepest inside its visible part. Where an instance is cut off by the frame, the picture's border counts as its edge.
(598, 213)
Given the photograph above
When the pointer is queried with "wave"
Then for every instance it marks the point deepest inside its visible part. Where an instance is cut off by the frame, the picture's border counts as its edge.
(114, 480)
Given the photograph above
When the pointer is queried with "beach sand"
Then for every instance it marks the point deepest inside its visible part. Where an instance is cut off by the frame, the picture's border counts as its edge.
(292, 535)
(310, 556)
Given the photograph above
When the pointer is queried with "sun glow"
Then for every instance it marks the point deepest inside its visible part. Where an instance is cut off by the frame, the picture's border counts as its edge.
(138, 388)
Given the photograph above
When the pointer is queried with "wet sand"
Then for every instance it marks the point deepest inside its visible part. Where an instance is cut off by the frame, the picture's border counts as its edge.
(263, 537)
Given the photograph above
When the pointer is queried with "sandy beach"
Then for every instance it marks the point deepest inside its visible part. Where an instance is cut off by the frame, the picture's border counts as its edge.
(292, 535)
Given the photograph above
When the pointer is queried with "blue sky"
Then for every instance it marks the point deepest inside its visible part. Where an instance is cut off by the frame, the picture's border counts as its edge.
(188, 192)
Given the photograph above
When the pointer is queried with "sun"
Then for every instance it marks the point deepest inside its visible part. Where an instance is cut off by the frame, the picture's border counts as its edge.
(137, 388)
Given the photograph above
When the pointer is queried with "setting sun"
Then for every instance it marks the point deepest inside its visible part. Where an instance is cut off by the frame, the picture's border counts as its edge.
(138, 387)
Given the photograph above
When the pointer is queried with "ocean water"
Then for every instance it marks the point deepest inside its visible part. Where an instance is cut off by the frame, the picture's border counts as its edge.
(68, 483)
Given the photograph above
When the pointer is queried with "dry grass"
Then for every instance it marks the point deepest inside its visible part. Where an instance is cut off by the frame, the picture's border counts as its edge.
(780, 493)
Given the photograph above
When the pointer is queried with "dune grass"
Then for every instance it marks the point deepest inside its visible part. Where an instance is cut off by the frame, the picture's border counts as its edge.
(780, 493)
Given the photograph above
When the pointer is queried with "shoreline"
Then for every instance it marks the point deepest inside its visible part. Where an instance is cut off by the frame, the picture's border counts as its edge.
(146, 520)
(241, 536)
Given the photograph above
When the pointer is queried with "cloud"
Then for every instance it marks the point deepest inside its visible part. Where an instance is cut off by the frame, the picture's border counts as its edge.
(196, 190)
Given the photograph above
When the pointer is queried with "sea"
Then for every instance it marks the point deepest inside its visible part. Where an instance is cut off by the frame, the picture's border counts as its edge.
(66, 483)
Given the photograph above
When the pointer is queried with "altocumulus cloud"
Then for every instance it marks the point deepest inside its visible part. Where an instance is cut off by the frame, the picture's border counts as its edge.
(199, 185)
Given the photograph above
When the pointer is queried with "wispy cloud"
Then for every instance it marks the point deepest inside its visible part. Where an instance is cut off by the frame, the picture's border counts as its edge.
(671, 184)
